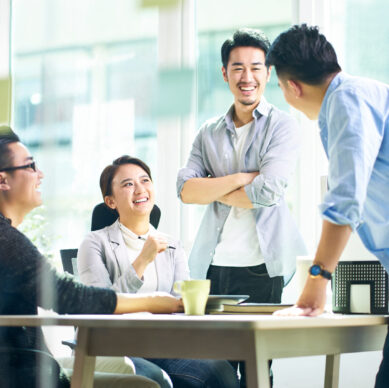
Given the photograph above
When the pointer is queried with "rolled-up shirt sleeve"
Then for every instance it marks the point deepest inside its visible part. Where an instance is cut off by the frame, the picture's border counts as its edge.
(195, 165)
(352, 147)
(277, 165)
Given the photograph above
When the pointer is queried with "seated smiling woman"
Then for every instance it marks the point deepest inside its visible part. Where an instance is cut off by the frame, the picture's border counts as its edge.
(130, 256)
(25, 276)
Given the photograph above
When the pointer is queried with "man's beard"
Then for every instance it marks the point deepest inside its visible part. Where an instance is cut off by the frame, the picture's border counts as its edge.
(247, 103)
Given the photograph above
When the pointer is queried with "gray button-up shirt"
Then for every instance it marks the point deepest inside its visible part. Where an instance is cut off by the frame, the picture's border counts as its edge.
(272, 149)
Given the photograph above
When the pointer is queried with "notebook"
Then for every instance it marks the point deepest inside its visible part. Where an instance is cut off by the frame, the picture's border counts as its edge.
(254, 308)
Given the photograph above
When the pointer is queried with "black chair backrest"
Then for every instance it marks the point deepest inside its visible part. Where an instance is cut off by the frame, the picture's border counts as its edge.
(67, 256)
(103, 216)
(69, 260)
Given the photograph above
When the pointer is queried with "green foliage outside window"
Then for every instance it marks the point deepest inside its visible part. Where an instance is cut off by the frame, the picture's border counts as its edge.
(35, 228)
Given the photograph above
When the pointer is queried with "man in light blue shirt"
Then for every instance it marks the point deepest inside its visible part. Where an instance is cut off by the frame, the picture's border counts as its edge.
(240, 165)
(353, 116)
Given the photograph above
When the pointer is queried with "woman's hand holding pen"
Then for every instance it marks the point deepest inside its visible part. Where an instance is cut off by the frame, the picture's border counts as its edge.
(153, 245)
(143, 239)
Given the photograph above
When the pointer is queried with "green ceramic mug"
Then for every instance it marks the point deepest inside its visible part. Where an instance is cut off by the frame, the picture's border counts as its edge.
(194, 295)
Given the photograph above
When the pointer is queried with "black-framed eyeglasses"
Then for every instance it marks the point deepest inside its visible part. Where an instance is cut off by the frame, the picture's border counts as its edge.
(30, 165)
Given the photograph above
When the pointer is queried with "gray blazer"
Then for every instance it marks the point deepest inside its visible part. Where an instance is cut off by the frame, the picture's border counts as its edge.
(102, 261)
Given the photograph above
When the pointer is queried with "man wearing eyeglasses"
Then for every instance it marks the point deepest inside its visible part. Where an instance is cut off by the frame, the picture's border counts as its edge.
(22, 187)
(24, 357)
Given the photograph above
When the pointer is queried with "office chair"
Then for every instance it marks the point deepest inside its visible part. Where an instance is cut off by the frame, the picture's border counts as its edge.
(69, 264)
(103, 216)
(69, 260)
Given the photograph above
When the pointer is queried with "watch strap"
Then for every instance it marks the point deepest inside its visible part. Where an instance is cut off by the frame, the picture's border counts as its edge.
(326, 274)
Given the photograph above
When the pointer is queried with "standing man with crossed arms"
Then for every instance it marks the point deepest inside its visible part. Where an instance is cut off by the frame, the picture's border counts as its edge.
(240, 165)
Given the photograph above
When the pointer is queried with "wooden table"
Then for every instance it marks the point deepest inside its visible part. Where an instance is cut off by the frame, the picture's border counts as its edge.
(252, 338)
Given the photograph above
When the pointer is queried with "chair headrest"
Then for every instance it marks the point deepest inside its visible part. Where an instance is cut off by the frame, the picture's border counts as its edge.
(103, 216)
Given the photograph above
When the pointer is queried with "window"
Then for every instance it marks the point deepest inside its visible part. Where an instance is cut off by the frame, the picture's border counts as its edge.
(83, 77)
(360, 33)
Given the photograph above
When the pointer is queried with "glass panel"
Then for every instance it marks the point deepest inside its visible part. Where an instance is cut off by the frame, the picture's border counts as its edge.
(83, 77)
(360, 33)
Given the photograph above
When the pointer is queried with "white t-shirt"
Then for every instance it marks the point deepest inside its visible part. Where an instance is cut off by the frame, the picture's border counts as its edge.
(238, 245)
(134, 246)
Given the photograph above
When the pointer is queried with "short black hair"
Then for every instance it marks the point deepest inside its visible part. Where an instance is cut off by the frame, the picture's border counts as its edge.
(303, 54)
(7, 136)
(109, 172)
(244, 37)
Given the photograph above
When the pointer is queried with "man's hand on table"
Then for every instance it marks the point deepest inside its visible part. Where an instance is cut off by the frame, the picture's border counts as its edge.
(311, 302)
(156, 303)
(313, 298)
(164, 303)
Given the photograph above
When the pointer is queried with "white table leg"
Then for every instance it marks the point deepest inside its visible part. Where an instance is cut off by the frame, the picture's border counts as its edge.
(257, 373)
(84, 365)
(257, 363)
(262, 379)
(331, 379)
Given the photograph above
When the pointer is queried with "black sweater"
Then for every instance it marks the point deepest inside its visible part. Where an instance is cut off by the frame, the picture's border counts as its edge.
(27, 281)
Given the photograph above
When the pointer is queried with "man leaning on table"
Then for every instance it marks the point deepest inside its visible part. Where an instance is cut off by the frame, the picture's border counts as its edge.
(240, 165)
(353, 116)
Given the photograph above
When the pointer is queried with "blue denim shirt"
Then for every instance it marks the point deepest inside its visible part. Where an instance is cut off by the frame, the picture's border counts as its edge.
(354, 124)
(271, 148)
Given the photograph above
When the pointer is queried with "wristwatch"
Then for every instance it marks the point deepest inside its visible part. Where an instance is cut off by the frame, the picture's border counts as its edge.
(316, 270)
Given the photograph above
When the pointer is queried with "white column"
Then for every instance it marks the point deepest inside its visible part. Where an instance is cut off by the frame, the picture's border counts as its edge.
(188, 123)
(312, 163)
(176, 49)
(313, 12)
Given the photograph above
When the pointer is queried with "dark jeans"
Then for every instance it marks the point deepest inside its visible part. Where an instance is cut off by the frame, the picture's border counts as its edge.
(382, 379)
(253, 281)
(199, 373)
(148, 369)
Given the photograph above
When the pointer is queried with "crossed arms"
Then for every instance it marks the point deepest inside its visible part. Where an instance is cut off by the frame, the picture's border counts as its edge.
(271, 160)
(228, 189)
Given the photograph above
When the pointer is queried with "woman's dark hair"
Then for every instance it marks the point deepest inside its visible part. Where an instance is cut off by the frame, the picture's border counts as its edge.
(244, 37)
(7, 136)
(303, 54)
(109, 172)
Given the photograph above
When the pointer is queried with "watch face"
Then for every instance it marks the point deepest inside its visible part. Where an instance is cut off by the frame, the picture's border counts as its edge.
(315, 270)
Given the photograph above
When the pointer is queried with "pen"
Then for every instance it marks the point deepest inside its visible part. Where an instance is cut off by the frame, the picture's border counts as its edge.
(143, 239)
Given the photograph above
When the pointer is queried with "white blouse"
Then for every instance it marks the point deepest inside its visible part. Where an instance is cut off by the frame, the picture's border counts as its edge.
(134, 246)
